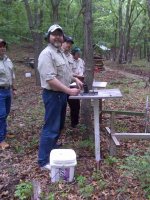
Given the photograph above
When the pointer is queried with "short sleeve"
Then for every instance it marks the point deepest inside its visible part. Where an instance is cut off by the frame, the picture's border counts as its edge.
(46, 66)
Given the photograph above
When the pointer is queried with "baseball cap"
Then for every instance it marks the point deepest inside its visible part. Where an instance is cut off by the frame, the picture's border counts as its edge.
(68, 39)
(75, 50)
(2, 41)
(54, 27)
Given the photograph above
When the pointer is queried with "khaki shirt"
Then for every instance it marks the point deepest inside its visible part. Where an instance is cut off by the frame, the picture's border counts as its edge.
(6, 72)
(70, 59)
(52, 63)
(78, 67)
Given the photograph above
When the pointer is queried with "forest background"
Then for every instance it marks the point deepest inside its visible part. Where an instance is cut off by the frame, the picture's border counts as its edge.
(123, 26)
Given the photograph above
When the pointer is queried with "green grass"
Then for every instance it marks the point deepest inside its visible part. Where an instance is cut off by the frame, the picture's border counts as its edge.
(141, 63)
(139, 167)
(89, 143)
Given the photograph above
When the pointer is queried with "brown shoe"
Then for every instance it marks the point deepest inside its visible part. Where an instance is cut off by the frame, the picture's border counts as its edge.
(4, 145)
(10, 135)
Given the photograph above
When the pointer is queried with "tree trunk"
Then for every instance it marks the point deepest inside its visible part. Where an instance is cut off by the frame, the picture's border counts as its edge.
(114, 48)
(148, 7)
(88, 58)
(140, 52)
(55, 6)
(125, 31)
(145, 48)
(148, 54)
(35, 22)
(148, 51)
(130, 55)
(38, 45)
(121, 37)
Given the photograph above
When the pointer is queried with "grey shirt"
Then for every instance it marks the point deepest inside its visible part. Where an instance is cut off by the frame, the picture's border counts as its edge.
(78, 67)
(52, 63)
(6, 72)
(70, 59)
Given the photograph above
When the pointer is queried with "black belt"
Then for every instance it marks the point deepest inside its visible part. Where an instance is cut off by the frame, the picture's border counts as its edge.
(5, 87)
(53, 91)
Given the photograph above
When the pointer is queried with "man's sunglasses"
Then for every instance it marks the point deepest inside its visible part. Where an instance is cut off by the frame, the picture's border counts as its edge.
(2, 44)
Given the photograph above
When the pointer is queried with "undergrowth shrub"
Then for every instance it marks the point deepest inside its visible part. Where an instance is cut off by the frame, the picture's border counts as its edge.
(24, 190)
(139, 167)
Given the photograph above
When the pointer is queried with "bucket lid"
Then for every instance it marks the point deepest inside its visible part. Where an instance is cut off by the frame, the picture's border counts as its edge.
(62, 156)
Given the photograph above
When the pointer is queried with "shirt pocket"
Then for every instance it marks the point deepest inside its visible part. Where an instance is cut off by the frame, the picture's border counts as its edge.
(70, 63)
(9, 64)
(60, 67)
(2, 71)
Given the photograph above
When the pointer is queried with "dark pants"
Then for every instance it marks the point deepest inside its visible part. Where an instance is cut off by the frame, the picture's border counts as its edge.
(5, 104)
(55, 111)
(74, 105)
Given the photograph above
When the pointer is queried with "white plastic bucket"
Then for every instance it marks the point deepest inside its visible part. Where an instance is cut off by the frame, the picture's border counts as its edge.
(62, 162)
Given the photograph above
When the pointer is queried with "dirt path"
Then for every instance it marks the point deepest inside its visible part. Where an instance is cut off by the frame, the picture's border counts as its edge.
(129, 75)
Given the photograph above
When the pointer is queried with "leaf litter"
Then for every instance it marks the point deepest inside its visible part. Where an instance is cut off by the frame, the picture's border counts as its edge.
(19, 162)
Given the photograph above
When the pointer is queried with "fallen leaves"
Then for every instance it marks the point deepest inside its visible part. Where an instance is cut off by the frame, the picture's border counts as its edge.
(25, 122)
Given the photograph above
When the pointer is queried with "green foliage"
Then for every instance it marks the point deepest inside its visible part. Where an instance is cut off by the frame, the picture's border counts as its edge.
(33, 143)
(82, 128)
(14, 24)
(81, 180)
(102, 184)
(122, 189)
(126, 90)
(139, 167)
(86, 144)
(97, 176)
(121, 126)
(24, 191)
(87, 191)
(71, 19)
(110, 160)
(142, 63)
(13, 21)
(51, 196)
(19, 149)
(64, 195)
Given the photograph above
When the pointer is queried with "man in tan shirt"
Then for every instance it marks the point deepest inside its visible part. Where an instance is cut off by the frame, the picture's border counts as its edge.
(6, 86)
(56, 76)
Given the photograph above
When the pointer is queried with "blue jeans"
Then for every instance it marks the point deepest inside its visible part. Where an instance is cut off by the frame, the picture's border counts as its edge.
(55, 111)
(5, 104)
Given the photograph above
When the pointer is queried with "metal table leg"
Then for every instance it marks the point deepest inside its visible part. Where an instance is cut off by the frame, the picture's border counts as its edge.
(97, 130)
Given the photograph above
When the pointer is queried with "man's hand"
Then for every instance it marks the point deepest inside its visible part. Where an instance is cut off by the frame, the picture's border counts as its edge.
(73, 91)
(58, 86)
(81, 78)
(79, 83)
(14, 91)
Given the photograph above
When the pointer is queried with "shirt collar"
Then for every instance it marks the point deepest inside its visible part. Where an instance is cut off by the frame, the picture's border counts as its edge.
(3, 58)
(54, 48)
(76, 60)
(67, 54)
